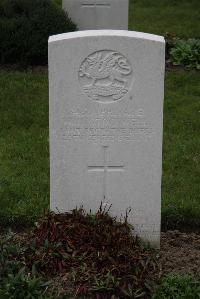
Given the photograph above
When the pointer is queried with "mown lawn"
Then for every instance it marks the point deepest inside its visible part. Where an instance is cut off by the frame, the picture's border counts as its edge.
(24, 164)
(181, 154)
(160, 16)
(24, 158)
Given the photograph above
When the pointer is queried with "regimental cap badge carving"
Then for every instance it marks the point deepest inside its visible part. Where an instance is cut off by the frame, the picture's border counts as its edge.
(105, 76)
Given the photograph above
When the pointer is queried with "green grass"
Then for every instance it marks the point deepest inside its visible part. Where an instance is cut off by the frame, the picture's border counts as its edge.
(161, 16)
(24, 160)
(181, 159)
(24, 164)
(177, 287)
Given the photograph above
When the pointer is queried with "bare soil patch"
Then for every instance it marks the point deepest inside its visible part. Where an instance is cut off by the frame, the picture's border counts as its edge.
(180, 253)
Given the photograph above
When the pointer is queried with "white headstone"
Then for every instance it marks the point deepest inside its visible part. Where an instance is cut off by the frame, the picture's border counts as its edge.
(106, 114)
(98, 14)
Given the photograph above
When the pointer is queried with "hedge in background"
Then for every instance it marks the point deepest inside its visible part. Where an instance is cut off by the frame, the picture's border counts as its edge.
(25, 26)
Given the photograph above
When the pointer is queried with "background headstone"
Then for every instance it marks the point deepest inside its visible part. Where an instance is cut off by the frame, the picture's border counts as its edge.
(106, 114)
(98, 14)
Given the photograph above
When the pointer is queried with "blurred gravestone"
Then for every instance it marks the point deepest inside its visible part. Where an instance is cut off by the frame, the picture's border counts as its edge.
(98, 14)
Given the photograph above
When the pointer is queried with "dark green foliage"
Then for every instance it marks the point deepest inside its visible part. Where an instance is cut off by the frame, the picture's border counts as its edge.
(9, 257)
(186, 53)
(22, 285)
(178, 287)
(25, 26)
(16, 280)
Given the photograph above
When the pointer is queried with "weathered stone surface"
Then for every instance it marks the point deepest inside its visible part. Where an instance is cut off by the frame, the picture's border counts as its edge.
(98, 14)
(106, 103)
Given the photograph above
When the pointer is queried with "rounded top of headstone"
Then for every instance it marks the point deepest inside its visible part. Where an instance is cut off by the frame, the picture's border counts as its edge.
(102, 33)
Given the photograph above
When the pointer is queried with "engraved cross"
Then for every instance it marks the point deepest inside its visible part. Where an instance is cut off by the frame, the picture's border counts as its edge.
(105, 168)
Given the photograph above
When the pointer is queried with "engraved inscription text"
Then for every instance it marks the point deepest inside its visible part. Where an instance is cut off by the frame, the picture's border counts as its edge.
(106, 125)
